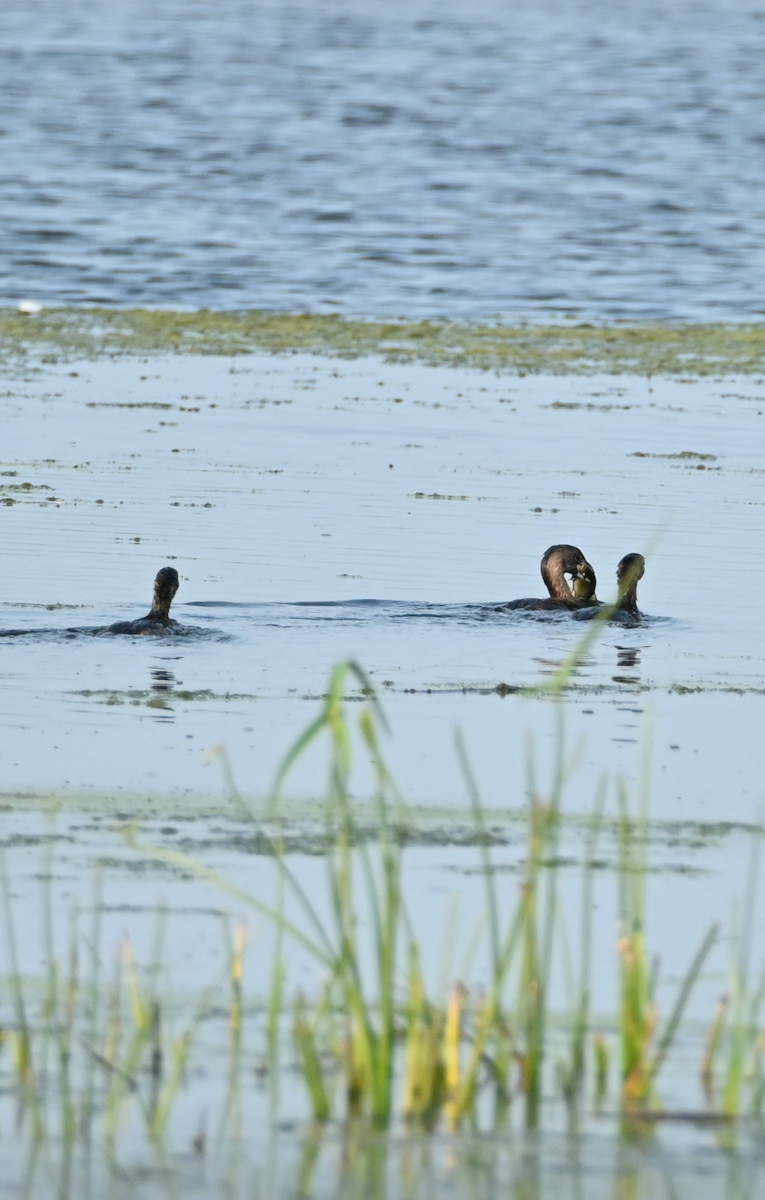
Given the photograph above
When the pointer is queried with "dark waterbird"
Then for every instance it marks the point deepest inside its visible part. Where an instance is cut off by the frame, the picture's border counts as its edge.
(629, 571)
(157, 620)
(557, 562)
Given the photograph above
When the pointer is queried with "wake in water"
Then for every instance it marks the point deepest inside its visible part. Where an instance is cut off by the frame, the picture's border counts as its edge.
(169, 633)
(364, 611)
(232, 620)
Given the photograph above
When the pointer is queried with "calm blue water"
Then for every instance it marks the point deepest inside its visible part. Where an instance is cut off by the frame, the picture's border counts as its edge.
(461, 159)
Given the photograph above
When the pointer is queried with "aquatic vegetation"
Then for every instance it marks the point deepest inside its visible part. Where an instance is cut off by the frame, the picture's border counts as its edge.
(111, 1041)
(402, 1050)
(642, 349)
(736, 1033)
(500, 1034)
(642, 1051)
(377, 1045)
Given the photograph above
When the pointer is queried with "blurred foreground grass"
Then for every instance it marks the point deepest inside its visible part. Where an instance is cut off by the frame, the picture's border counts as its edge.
(101, 1056)
(643, 349)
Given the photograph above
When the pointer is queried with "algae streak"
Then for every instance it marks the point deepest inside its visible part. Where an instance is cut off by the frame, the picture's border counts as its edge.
(641, 349)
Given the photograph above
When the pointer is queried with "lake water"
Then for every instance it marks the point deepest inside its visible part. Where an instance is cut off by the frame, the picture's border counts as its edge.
(525, 160)
(318, 510)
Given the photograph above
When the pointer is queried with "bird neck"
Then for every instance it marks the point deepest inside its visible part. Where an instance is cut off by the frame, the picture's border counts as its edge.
(555, 582)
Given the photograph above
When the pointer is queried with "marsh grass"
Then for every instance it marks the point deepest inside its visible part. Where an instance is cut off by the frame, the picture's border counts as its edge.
(736, 1034)
(100, 1045)
(449, 1043)
(95, 1052)
(400, 1049)
(644, 1047)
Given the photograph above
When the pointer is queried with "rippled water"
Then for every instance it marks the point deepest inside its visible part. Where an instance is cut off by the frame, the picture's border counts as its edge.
(422, 159)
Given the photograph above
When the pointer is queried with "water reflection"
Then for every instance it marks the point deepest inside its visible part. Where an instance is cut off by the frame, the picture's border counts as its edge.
(162, 680)
(627, 659)
(551, 666)
(162, 685)
(599, 1165)
(628, 656)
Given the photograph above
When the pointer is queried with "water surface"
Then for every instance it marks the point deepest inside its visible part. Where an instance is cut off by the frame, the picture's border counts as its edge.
(416, 159)
(322, 509)
(318, 510)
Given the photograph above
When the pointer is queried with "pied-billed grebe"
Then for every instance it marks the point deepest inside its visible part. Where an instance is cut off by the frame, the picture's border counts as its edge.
(584, 586)
(629, 572)
(158, 620)
(557, 562)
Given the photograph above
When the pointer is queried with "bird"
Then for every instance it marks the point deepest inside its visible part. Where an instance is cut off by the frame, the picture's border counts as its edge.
(557, 562)
(629, 571)
(157, 620)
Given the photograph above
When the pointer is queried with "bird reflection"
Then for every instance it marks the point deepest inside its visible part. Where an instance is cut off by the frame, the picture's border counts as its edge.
(162, 686)
(162, 680)
(627, 658)
(550, 666)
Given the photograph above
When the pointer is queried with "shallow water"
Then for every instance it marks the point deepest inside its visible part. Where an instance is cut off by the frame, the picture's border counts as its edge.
(333, 1165)
(318, 509)
(285, 488)
(386, 159)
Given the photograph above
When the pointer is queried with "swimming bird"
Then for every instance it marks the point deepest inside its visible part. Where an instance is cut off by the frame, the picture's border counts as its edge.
(557, 562)
(157, 620)
(629, 571)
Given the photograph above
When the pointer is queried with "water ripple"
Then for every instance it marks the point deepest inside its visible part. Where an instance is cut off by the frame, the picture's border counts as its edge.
(512, 160)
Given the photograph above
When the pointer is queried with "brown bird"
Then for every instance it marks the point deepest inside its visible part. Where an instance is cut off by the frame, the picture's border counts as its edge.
(557, 563)
(157, 620)
(629, 571)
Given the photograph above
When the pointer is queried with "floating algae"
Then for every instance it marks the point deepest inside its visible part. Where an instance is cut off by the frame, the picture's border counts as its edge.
(641, 349)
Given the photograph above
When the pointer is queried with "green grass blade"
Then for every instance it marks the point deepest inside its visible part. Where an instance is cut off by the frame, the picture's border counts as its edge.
(683, 995)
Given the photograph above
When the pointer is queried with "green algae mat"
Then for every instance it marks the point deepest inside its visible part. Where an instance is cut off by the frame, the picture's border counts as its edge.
(642, 349)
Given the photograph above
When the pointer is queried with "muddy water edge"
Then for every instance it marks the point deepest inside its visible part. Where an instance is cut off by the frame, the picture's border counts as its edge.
(319, 509)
